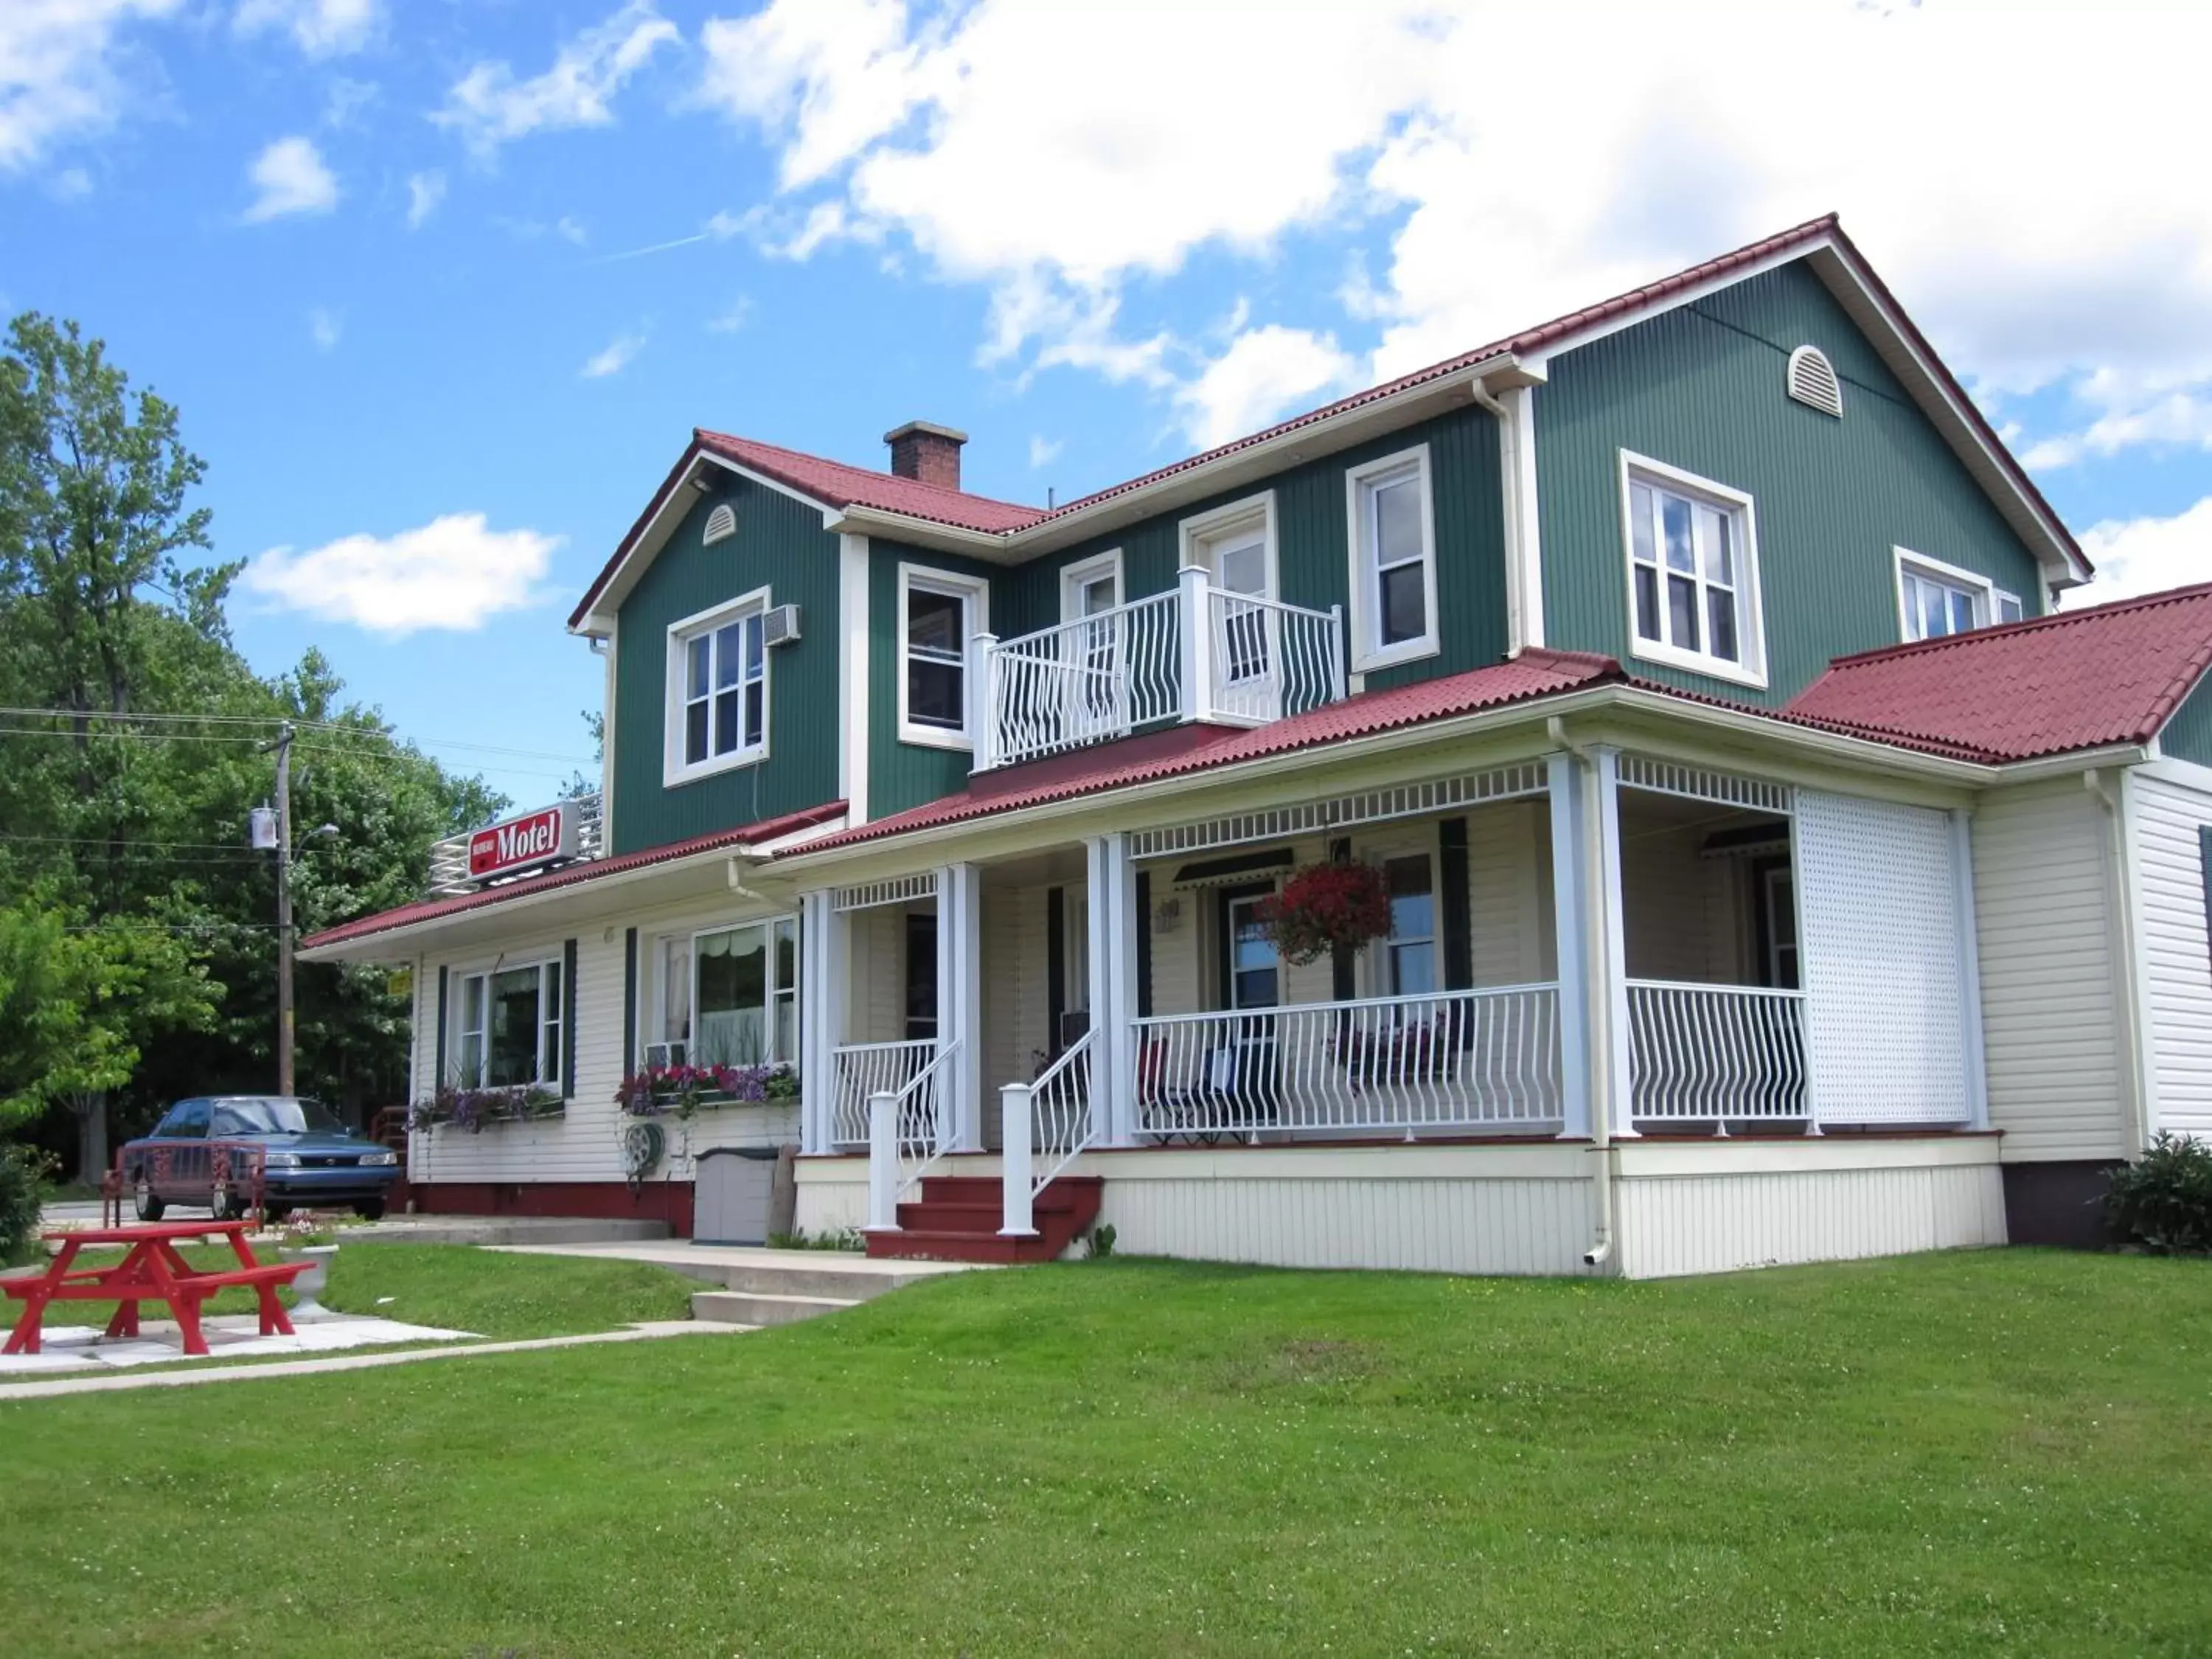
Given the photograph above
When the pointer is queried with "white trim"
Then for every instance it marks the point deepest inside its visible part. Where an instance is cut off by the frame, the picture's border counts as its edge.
(1751, 616)
(653, 981)
(976, 592)
(1563, 781)
(1524, 553)
(1075, 577)
(853, 753)
(611, 686)
(1981, 588)
(674, 769)
(1365, 615)
(1196, 536)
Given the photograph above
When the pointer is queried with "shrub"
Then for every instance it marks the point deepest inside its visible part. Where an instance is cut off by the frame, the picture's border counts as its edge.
(24, 1172)
(2163, 1200)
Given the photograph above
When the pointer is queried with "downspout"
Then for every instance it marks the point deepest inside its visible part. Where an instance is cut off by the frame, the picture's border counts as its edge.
(1516, 478)
(1599, 1072)
(2111, 791)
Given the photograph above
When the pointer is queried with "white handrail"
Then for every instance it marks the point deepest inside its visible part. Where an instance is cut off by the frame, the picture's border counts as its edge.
(1087, 681)
(1271, 659)
(1444, 1060)
(1067, 1124)
(921, 1139)
(1716, 1053)
(862, 1069)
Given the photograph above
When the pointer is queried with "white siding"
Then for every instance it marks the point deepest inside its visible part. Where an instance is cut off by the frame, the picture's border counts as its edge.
(1681, 917)
(2176, 956)
(2050, 1005)
(1508, 879)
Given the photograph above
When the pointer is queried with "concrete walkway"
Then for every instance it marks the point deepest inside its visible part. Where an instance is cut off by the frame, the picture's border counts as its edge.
(715, 1262)
(641, 1333)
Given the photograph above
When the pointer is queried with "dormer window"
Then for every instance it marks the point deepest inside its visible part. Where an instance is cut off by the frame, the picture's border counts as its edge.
(1936, 600)
(717, 691)
(1692, 573)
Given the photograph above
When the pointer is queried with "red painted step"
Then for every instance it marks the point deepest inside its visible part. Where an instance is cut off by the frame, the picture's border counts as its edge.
(957, 1218)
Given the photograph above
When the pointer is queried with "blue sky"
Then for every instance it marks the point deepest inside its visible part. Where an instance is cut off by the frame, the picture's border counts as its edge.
(390, 256)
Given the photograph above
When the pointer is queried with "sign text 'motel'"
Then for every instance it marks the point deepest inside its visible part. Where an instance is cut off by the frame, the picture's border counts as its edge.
(522, 844)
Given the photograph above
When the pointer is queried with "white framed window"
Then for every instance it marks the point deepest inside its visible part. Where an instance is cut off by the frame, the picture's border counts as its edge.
(1936, 599)
(1410, 954)
(728, 995)
(1693, 552)
(1393, 540)
(1090, 587)
(1235, 545)
(938, 612)
(508, 1025)
(717, 693)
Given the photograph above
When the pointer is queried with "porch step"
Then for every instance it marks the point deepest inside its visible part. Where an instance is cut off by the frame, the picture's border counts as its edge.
(760, 1308)
(957, 1217)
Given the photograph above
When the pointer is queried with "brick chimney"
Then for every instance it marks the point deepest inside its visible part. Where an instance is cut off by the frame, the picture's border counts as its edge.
(926, 453)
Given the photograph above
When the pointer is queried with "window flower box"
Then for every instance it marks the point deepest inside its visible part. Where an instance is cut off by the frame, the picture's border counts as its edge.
(680, 1091)
(474, 1109)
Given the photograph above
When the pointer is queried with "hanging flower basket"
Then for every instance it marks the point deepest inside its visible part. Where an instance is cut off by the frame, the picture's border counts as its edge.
(1324, 908)
(680, 1091)
(473, 1108)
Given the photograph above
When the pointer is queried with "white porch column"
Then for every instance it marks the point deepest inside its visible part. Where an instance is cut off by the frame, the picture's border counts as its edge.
(979, 714)
(822, 943)
(883, 1162)
(1611, 1097)
(1112, 949)
(1015, 1218)
(1570, 887)
(1197, 663)
(960, 1002)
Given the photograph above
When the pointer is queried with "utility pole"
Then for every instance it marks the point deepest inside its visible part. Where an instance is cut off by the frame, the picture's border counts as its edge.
(284, 908)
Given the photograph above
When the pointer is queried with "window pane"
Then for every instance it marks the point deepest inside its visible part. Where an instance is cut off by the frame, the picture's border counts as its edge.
(1934, 623)
(754, 647)
(1682, 611)
(1413, 906)
(1398, 522)
(787, 1029)
(2008, 608)
(1675, 512)
(1097, 595)
(725, 721)
(1640, 508)
(695, 681)
(1720, 556)
(755, 714)
(729, 653)
(695, 732)
(1404, 604)
(1412, 970)
(1243, 567)
(787, 955)
(1647, 602)
(732, 998)
(935, 622)
(549, 1063)
(1720, 611)
(513, 1037)
(1962, 612)
(932, 693)
(675, 990)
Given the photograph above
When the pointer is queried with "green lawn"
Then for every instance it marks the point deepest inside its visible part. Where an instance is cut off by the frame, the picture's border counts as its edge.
(1998, 1453)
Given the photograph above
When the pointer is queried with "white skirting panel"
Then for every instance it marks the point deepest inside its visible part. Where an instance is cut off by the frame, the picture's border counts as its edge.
(1709, 1223)
(831, 1206)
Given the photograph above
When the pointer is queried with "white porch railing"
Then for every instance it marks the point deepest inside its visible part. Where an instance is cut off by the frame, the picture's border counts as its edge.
(1043, 1125)
(1270, 660)
(908, 1133)
(1450, 1059)
(1084, 682)
(1714, 1053)
(864, 1069)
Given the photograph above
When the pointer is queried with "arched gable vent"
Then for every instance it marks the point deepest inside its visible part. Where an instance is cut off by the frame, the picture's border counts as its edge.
(721, 524)
(1813, 381)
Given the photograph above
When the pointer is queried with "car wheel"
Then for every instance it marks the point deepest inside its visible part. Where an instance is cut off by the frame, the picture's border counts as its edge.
(222, 1204)
(148, 1207)
(370, 1209)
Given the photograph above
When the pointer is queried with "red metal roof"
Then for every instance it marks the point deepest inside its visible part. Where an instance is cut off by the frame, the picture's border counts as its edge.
(836, 484)
(2110, 673)
(573, 875)
(1187, 748)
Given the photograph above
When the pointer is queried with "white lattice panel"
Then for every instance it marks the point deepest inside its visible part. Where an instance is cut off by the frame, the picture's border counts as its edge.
(1702, 783)
(1885, 1030)
(897, 890)
(1372, 806)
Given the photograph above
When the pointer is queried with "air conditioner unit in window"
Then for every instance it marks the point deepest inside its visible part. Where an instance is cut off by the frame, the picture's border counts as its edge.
(781, 625)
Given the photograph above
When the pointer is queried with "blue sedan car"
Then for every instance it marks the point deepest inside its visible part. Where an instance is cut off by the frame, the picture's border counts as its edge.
(308, 1159)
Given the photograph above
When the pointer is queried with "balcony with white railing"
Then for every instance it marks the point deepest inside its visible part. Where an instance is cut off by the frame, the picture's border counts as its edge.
(1197, 653)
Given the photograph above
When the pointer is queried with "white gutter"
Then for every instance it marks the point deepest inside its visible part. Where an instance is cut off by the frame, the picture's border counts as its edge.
(1515, 415)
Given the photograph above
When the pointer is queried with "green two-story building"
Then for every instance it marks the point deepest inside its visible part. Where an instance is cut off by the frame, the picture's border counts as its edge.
(1428, 833)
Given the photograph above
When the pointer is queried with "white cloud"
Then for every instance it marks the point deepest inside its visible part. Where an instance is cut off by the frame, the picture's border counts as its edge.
(287, 177)
(324, 327)
(1265, 371)
(740, 312)
(425, 191)
(59, 72)
(453, 573)
(2141, 555)
(614, 356)
(570, 230)
(1044, 450)
(346, 99)
(320, 28)
(1060, 157)
(487, 106)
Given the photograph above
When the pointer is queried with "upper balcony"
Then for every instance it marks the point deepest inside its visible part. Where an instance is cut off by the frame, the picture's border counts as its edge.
(1195, 652)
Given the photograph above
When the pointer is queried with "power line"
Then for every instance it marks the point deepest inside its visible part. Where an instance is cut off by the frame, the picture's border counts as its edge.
(384, 756)
(272, 720)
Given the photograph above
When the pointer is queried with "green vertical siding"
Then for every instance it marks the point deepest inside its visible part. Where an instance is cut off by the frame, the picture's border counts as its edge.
(2187, 734)
(782, 545)
(904, 774)
(1701, 388)
(1311, 527)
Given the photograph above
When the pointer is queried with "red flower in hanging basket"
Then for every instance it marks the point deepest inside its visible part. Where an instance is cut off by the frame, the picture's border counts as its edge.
(1325, 907)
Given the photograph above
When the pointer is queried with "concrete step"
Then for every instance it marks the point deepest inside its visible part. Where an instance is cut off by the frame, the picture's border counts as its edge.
(834, 1278)
(757, 1308)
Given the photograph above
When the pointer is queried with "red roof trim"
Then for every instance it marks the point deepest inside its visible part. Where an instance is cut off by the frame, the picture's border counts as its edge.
(576, 875)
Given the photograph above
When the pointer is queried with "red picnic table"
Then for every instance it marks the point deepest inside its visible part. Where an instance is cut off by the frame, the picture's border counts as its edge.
(152, 1270)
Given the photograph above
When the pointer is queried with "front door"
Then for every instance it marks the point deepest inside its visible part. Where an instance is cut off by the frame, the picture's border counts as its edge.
(1245, 644)
(1776, 900)
(1244, 1067)
(1097, 701)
